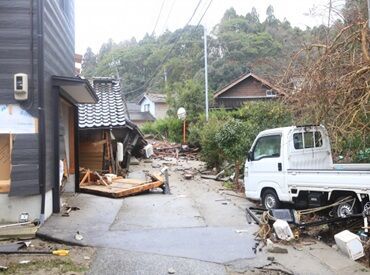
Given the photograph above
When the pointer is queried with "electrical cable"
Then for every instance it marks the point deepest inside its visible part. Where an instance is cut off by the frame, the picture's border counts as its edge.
(159, 15)
(204, 13)
(168, 16)
(167, 55)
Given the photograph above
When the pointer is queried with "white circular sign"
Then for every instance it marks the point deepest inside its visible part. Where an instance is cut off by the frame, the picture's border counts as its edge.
(181, 113)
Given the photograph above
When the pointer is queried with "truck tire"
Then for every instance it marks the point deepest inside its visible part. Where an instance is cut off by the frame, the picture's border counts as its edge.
(270, 199)
(345, 209)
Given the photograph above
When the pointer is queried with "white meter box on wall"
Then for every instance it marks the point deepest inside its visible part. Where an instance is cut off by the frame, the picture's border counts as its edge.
(21, 87)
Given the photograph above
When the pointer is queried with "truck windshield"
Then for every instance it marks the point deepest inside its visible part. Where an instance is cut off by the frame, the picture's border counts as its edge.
(267, 147)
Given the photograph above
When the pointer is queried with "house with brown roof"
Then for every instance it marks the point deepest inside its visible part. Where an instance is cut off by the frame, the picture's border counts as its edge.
(248, 87)
(155, 104)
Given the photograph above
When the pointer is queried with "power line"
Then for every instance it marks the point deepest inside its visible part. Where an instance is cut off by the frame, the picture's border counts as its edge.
(168, 53)
(204, 13)
(159, 15)
(168, 16)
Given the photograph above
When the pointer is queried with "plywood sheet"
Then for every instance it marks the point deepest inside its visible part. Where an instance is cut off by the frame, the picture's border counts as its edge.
(121, 188)
(91, 156)
(5, 157)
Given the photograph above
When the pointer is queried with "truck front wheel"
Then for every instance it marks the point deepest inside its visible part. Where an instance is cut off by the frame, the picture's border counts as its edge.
(270, 199)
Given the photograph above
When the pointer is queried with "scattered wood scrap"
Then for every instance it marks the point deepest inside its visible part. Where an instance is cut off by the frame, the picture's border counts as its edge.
(163, 149)
(122, 188)
(117, 187)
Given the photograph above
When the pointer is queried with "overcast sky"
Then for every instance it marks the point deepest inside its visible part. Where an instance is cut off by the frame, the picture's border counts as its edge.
(98, 20)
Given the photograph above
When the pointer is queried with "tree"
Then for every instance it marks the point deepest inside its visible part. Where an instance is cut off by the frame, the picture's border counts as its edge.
(229, 14)
(189, 95)
(106, 47)
(89, 63)
(253, 21)
(231, 140)
(333, 89)
(270, 17)
(237, 45)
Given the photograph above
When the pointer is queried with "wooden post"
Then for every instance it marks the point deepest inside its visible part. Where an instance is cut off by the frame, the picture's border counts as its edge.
(184, 132)
(167, 190)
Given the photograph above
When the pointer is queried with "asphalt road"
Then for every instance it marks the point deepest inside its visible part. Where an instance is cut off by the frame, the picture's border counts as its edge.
(194, 230)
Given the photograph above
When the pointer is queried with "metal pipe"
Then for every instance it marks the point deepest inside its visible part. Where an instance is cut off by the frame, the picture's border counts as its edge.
(41, 110)
(253, 216)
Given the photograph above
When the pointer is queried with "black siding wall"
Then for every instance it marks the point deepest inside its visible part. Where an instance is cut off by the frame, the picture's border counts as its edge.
(18, 51)
(18, 54)
(59, 60)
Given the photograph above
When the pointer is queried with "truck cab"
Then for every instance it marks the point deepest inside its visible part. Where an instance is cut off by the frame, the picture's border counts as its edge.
(286, 164)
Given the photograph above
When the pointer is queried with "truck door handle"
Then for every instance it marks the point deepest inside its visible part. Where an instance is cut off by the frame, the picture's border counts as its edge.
(280, 166)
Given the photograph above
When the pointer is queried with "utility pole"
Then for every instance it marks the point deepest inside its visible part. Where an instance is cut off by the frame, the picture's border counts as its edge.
(165, 77)
(206, 69)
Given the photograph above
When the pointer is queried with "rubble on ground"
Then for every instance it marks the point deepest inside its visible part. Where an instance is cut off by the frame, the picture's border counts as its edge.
(36, 257)
(296, 227)
(165, 149)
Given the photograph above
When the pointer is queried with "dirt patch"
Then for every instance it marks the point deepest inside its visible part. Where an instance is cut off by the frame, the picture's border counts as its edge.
(77, 262)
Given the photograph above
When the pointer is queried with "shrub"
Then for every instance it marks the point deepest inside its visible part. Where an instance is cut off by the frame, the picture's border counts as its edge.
(232, 139)
(205, 135)
(169, 128)
(352, 148)
(230, 134)
(363, 156)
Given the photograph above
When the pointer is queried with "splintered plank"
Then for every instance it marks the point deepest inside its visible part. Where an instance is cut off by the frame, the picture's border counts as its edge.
(121, 188)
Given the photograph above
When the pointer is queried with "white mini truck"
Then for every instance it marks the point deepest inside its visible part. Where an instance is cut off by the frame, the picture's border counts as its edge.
(294, 165)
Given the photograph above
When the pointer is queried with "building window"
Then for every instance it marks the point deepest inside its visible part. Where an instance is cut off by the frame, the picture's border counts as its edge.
(146, 107)
(270, 93)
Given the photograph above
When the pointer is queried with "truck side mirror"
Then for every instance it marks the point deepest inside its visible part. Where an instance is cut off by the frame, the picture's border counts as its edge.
(250, 156)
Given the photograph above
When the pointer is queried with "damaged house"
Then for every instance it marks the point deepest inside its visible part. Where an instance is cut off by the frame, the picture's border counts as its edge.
(39, 95)
(107, 138)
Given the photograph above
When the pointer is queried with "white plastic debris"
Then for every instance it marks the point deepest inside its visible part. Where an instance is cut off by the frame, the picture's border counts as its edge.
(110, 177)
(282, 230)
(148, 150)
(350, 244)
(120, 153)
(78, 236)
(24, 261)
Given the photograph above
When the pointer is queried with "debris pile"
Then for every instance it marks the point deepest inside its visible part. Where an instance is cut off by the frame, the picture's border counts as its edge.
(165, 149)
(348, 233)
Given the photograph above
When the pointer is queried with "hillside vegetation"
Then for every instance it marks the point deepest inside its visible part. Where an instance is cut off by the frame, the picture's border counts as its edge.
(323, 72)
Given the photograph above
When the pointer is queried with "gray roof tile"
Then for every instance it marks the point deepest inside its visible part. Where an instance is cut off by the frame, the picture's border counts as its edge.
(110, 111)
